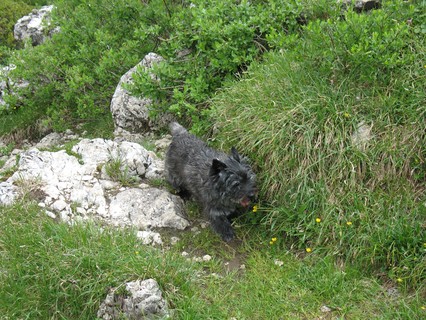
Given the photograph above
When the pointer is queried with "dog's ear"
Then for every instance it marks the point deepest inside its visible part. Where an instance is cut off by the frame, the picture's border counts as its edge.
(217, 167)
(235, 154)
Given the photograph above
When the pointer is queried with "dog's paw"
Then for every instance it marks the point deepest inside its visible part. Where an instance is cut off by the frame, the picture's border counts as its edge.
(228, 235)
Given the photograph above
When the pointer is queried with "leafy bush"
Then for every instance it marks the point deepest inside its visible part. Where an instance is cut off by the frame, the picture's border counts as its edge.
(299, 117)
(211, 42)
(73, 76)
(10, 12)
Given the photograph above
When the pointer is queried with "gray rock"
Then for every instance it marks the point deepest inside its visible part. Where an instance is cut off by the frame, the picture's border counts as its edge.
(143, 301)
(207, 258)
(129, 112)
(163, 143)
(362, 135)
(8, 193)
(325, 309)
(50, 214)
(121, 135)
(35, 26)
(49, 167)
(51, 140)
(59, 205)
(96, 151)
(135, 159)
(174, 240)
(149, 237)
(147, 208)
(73, 190)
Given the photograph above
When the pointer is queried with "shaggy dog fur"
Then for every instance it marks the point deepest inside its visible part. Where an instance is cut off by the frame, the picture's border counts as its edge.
(221, 183)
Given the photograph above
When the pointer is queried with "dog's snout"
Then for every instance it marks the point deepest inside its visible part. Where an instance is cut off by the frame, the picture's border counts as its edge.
(253, 195)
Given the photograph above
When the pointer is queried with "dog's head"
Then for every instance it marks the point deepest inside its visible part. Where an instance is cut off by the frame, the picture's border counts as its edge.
(234, 179)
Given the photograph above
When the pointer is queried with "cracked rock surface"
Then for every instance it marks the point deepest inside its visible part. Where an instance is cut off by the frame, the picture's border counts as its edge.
(77, 187)
(142, 300)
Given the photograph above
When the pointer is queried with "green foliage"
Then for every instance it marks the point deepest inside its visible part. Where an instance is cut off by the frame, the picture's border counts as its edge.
(10, 12)
(73, 76)
(6, 150)
(298, 116)
(368, 46)
(38, 3)
(211, 42)
(119, 172)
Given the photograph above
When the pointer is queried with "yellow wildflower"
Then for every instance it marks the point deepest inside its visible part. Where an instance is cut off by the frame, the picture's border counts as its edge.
(318, 220)
(346, 115)
(136, 252)
(255, 208)
(349, 223)
(308, 250)
(399, 280)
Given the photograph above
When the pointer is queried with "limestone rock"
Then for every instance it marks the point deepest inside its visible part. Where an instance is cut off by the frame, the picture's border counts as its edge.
(150, 237)
(51, 140)
(129, 112)
(35, 26)
(362, 135)
(143, 300)
(135, 159)
(8, 193)
(72, 188)
(147, 208)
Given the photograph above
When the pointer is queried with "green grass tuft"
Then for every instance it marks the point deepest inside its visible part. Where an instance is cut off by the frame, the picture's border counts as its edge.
(296, 115)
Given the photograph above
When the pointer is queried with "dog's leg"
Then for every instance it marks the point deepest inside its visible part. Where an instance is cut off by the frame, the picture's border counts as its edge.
(221, 224)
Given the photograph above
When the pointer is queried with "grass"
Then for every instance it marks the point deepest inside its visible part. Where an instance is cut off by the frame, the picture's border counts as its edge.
(119, 172)
(57, 271)
(296, 114)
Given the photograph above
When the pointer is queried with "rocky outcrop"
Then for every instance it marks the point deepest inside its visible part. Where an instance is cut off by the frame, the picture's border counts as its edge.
(149, 237)
(79, 186)
(8, 193)
(35, 26)
(129, 112)
(142, 300)
(146, 208)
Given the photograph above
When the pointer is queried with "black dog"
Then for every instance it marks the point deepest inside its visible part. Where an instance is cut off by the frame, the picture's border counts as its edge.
(221, 183)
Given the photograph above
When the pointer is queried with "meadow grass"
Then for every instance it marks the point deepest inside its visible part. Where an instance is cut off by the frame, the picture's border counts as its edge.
(52, 270)
(299, 115)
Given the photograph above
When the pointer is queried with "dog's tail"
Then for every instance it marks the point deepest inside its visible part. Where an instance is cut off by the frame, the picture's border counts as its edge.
(176, 129)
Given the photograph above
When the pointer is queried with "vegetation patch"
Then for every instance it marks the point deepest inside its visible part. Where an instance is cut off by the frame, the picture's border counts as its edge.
(335, 123)
(330, 106)
(54, 270)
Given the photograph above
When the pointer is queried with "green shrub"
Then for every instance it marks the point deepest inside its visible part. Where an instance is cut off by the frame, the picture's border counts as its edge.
(211, 42)
(10, 12)
(73, 76)
(296, 116)
(37, 3)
